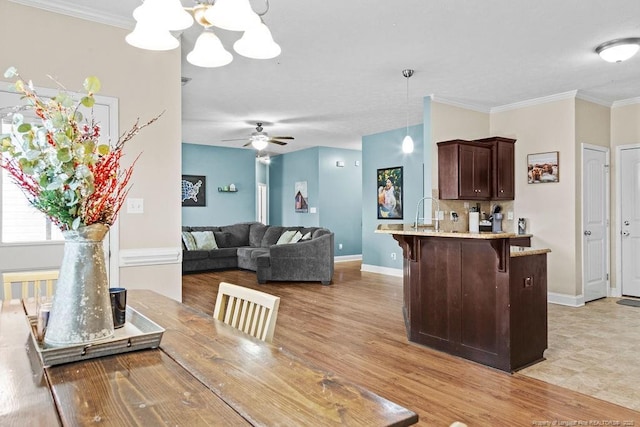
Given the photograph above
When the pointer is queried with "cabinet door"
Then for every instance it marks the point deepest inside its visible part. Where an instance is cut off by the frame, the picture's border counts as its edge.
(504, 173)
(482, 172)
(467, 171)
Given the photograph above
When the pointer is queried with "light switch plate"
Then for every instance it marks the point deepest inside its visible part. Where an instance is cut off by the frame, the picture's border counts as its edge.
(510, 215)
(135, 206)
(312, 210)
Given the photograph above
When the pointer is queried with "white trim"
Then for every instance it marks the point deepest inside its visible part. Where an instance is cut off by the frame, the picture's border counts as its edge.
(150, 256)
(583, 96)
(345, 258)
(76, 9)
(564, 299)
(536, 101)
(396, 272)
(460, 104)
(625, 102)
(617, 291)
(607, 160)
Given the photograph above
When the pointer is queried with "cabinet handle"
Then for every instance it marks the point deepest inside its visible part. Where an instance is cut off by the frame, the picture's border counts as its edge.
(502, 191)
(528, 282)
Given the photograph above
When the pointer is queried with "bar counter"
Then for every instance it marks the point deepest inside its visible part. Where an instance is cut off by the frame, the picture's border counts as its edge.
(474, 295)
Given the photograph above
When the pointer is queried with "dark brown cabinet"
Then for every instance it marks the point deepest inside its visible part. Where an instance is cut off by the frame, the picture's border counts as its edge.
(464, 170)
(476, 170)
(502, 162)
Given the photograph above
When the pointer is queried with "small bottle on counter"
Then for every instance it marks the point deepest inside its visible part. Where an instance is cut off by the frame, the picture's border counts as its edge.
(522, 226)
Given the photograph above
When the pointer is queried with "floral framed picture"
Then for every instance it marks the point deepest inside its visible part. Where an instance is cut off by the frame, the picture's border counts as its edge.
(390, 196)
(543, 168)
(194, 190)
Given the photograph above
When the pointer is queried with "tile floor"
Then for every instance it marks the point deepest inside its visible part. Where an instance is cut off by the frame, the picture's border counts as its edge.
(594, 350)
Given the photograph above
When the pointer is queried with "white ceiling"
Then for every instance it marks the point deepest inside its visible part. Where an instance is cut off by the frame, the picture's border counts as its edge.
(339, 76)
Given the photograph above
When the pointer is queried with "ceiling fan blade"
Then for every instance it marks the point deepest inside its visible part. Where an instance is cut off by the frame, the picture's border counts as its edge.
(282, 137)
(237, 139)
(275, 141)
(247, 144)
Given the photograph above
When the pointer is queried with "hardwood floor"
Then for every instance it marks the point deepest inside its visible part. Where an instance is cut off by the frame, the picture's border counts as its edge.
(354, 328)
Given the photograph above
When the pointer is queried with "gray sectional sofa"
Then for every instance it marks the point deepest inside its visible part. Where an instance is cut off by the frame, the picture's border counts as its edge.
(252, 246)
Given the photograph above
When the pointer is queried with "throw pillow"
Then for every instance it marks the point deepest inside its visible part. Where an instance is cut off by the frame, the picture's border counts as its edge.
(296, 237)
(286, 237)
(189, 241)
(307, 236)
(204, 240)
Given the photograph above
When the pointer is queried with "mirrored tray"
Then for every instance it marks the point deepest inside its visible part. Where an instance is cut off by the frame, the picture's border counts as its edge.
(137, 333)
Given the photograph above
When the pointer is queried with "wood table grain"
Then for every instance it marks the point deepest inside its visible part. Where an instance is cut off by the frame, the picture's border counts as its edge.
(204, 373)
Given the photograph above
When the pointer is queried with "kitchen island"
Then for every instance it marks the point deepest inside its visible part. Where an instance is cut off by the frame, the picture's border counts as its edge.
(474, 295)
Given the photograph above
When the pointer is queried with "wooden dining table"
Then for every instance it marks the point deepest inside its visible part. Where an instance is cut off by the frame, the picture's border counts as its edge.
(203, 373)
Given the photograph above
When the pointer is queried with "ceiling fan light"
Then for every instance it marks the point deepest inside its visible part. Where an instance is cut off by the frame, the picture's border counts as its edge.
(234, 15)
(259, 143)
(407, 144)
(618, 50)
(166, 13)
(257, 43)
(147, 35)
(208, 52)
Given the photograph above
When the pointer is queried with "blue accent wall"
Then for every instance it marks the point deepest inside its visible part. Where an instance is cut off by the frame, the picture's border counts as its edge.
(221, 166)
(383, 151)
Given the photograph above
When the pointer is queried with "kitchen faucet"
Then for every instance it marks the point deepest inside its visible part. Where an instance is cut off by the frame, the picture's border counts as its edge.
(437, 225)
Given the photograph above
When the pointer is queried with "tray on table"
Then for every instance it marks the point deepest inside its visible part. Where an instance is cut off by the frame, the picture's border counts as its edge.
(137, 333)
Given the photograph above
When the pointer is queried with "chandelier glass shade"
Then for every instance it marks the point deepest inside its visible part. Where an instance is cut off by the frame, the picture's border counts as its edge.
(156, 18)
(259, 142)
(407, 142)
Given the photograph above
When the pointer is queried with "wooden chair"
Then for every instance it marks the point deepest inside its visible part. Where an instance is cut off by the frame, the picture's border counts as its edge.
(35, 280)
(253, 312)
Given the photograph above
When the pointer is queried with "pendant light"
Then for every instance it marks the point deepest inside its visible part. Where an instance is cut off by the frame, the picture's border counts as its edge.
(407, 142)
(257, 43)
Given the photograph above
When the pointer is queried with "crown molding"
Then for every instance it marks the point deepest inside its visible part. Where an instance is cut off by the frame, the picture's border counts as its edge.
(583, 96)
(536, 101)
(625, 102)
(453, 103)
(78, 10)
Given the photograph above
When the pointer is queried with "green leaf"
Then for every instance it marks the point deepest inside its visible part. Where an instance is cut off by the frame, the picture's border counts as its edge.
(103, 149)
(24, 127)
(88, 101)
(64, 155)
(10, 73)
(92, 84)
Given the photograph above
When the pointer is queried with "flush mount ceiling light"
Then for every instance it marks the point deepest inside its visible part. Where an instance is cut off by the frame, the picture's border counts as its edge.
(407, 142)
(156, 18)
(618, 50)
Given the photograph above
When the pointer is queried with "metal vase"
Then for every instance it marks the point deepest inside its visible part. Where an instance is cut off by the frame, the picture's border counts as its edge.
(81, 310)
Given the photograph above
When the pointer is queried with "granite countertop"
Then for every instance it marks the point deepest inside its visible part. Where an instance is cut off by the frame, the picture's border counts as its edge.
(408, 229)
(524, 251)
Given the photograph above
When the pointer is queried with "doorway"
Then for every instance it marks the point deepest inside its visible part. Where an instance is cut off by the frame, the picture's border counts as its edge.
(629, 219)
(595, 222)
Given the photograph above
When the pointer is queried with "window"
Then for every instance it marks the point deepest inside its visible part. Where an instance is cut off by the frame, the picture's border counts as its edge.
(21, 222)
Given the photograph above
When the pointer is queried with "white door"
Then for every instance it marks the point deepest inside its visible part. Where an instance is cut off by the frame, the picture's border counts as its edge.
(595, 221)
(630, 220)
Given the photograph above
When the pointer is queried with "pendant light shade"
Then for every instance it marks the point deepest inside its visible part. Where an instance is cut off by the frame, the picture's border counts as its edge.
(168, 14)
(234, 15)
(208, 51)
(147, 35)
(257, 43)
(407, 142)
(618, 50)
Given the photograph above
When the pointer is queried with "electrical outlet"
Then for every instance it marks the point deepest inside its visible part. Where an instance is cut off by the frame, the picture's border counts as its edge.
(393, 255)
(440, 215)
(339, 245)
(510, 216)
(453, 216)
(466, 205)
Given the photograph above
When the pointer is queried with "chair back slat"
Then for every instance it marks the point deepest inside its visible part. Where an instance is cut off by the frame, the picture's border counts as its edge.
(251, 311)
(30, 283)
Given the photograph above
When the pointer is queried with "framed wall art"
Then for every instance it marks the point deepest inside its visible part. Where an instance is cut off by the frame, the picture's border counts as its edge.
(390, 196)
(543, 168)
(301, 197)
(194, 190)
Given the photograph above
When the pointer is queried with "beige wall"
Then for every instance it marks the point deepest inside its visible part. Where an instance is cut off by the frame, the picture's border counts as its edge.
(550, 209)
(146, 83)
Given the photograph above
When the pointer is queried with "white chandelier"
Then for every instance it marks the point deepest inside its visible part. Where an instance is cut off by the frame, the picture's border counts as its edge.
(156, 18)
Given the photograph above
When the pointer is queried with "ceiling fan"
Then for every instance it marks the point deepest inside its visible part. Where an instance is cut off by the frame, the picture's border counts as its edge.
(259, 139)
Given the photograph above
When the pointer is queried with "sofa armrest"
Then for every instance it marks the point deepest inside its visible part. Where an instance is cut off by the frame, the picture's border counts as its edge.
(308, 260)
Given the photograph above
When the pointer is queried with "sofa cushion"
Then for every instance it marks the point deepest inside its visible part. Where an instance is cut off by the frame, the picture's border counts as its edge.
(296, 237)
(188, 241)
(204, 228)
(256, 233)
(204, 240)
(239, 234)
(223, 252)
(271, 236)
(286, 237)
(307, 236)
(223, 239)
(194, 255)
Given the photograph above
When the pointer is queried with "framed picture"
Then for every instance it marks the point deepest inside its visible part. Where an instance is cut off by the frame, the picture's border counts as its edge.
(301, 197)
(543, 168)
(194, 190)
(389, 185)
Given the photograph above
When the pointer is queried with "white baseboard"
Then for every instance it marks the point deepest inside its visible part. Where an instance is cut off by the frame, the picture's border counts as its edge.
(150, 256)
(615, 292)
(345, 258)
(564, 299)
(396, 272)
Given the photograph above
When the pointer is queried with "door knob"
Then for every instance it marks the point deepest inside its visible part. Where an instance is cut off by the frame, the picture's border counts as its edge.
(587, 233)
(625, 233)
(626, 223)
